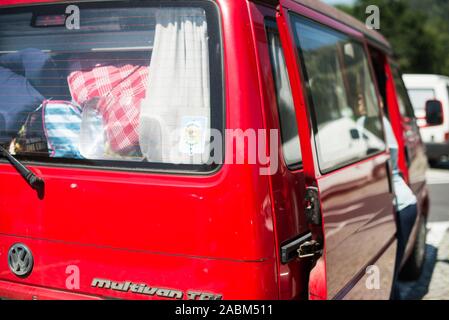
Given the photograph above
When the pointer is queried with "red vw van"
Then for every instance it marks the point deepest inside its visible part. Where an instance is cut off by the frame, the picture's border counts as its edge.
(197, 150)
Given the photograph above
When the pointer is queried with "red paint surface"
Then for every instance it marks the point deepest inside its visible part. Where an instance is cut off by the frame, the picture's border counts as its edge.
(219, 233)
(210, 233)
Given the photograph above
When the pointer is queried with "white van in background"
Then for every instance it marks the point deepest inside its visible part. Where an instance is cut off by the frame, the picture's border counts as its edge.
(429, 95)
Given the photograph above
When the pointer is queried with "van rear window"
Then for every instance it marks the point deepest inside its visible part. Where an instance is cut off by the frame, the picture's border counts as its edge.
(110, 84)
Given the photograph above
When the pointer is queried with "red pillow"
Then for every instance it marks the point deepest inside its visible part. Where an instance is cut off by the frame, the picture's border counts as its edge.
(121, 91)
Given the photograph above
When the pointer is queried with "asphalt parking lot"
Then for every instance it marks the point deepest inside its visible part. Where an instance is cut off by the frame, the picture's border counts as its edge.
(434, 281)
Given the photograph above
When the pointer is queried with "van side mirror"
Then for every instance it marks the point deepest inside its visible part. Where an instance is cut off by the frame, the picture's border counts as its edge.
(434, 112)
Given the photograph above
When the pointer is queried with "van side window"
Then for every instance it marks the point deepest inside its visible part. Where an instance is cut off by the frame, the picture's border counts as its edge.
(287, 115)
(341, 95)
(405, 106)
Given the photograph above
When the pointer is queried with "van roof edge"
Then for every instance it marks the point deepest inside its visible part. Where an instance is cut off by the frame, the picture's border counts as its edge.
(342, 17)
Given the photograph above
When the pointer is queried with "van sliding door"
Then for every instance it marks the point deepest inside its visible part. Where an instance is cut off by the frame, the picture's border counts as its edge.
(348, 198)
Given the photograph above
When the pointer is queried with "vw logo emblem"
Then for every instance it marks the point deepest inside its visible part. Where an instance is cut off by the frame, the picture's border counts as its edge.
(20, 260)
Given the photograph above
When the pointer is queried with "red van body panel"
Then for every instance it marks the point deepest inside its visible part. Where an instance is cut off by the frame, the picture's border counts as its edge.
(288, 186)
(216, 235)
(209, 233)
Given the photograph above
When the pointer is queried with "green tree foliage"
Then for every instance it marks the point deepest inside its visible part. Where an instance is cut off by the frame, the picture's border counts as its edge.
(417, 29)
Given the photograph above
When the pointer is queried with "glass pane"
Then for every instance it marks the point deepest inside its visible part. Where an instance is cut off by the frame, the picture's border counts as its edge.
(342, 95)
(405, 107)
(130, 84)
(287, 114)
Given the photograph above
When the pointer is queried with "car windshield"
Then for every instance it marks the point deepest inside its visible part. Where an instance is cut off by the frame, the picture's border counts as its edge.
(109, 84)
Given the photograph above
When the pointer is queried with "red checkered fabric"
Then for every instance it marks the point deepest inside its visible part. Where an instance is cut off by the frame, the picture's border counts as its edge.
(121, 91)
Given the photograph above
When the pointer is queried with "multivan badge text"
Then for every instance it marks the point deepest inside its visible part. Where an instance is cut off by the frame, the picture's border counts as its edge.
(142, 288)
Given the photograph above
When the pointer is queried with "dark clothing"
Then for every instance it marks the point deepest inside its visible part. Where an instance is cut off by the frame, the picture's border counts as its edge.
(38, 68)
(27, 78)
(17, 99)
(405, 221)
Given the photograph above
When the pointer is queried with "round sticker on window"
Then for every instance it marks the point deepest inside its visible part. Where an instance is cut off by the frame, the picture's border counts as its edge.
(193, 135)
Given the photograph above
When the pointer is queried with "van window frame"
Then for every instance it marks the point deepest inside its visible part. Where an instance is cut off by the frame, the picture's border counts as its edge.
(398, 80)
(309, 100)
(272, 27)
(217, 89)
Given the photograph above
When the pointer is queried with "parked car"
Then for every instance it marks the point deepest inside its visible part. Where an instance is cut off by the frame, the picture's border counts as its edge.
(430, 98)
(133, 173)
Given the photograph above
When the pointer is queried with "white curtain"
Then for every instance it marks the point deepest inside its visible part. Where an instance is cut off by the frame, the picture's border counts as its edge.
(175, 115)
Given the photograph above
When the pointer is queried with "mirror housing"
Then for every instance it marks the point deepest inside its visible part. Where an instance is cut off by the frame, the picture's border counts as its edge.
(434, 112)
